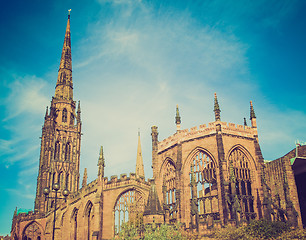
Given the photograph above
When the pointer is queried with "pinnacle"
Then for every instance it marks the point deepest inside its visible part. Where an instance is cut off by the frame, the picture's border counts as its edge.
(217, 109)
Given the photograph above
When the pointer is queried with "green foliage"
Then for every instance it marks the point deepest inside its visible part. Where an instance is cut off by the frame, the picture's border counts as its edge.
(293, 234)
(163, 232)
(259, 229)
(131, 231)
(128, 232)
(264, 229)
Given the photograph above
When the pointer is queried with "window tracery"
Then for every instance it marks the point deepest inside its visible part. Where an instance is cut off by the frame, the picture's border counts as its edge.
(169, 190)
(32, 231)
(127, 208)
(203, 187)
(240, 187)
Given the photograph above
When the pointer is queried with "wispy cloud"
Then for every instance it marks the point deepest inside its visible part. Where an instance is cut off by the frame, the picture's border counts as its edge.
(26, 96)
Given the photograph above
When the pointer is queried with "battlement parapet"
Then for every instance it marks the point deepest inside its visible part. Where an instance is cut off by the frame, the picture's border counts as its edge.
(124, 181)
(204, 130)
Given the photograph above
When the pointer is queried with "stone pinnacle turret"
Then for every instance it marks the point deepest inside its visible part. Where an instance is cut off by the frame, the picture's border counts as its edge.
(178, 119)
(217, 109)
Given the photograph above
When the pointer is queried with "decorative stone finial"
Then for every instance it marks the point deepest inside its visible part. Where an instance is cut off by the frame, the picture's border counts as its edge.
(217, 109)
(252, 112)
(101, 163)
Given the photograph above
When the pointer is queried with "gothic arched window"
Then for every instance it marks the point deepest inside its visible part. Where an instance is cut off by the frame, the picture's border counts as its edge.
(240, 187)
(71, 119)
(64, 117)
(203, 188)
(75, 223)
(68, 151)
(32, 231)
(88, 215)
(169, 189)
(57, 150)
(67, 181)
(128, 206)
(60, 179)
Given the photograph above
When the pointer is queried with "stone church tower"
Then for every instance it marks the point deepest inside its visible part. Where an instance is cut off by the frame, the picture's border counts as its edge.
(61, 135)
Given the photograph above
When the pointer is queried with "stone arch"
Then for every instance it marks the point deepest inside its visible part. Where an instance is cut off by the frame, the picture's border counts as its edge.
(88, 215)
(74, 223)
(241, 169)
(200, 176)
(192, 153)
(129, 205)
(32, 231)
(88, 207)
(168, 177)
(245, 152)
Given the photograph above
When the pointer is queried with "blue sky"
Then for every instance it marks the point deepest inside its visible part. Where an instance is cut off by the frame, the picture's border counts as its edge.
(133, 61)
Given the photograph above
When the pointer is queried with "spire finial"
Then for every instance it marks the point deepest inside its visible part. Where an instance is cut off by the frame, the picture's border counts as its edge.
(252, 112)
(101, 163)
(84, 183)
(139, 161)
(69, 13)
(217, 109)
(252, 116)
(177, 117)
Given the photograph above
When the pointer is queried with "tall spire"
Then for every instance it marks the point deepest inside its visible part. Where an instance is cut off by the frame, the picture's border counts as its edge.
(101, 163)
(217, 109)
(252, 115)
(178, 119)
(139, 161)
(64, 85)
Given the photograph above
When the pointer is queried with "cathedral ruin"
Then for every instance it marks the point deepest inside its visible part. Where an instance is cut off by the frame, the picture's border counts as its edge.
(205, 177)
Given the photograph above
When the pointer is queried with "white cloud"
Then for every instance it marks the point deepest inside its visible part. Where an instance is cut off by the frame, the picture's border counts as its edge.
(26, 96)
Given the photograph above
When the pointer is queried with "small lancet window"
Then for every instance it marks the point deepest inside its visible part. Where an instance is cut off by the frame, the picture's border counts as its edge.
(68, 151)
(71, 119)
(64, 118)
(57, 151)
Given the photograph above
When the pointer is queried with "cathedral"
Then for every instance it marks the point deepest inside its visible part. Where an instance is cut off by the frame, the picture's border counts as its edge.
(205, 177)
